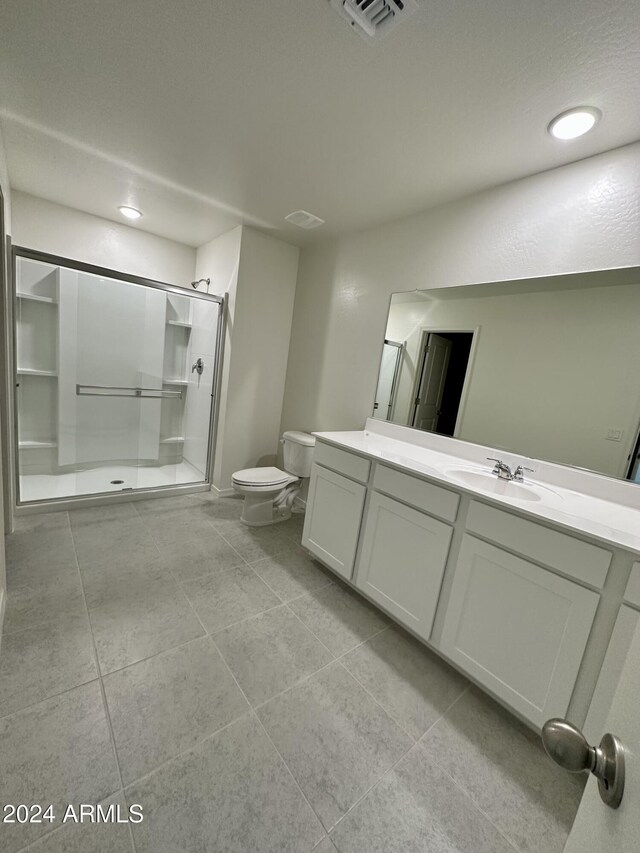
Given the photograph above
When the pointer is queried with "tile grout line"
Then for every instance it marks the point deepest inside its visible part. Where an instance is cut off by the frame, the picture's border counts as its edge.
(395, 764)
(105, 704)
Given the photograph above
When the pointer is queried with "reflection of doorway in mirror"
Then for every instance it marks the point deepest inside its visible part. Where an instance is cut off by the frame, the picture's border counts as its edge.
(388, 380)
(440, 380)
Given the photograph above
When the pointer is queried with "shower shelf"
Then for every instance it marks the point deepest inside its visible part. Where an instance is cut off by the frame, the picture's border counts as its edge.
(173, 439)
(31, 371)
(179, 323)
(36, 445)
(33, 297)
(175, 381)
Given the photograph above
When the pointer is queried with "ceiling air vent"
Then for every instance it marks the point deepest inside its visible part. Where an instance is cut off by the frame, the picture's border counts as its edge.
(374, 18)
(304, 220)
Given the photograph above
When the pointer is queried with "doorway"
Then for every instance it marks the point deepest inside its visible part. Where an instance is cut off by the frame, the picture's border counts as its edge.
(441, 380)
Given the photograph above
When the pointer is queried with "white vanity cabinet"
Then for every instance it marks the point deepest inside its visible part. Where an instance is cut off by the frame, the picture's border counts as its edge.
(516, 628)
(404, 554)
(334, 511)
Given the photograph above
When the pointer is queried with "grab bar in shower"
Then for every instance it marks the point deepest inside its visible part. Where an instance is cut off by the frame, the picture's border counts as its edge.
(125, 391)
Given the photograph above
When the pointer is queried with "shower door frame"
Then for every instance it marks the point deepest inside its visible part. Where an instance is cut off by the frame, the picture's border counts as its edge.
(11, 303)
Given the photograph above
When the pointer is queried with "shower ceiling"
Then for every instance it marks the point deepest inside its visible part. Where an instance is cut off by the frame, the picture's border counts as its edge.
(203, 114)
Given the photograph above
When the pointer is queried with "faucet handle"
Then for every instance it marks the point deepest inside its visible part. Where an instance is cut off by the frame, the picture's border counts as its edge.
(518, 474)
(491, 459)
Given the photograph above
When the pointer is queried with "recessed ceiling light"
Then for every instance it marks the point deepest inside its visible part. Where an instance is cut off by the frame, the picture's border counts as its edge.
(574, 122)
(129, 212)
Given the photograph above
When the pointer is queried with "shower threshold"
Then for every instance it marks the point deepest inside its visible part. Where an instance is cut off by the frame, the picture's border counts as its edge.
(39, 487)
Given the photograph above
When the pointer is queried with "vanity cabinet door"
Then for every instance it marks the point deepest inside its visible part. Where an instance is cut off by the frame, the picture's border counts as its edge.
(519, 630)
(404, 553)
(332, 519)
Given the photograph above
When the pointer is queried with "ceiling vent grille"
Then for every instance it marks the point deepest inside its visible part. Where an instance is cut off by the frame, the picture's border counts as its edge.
(374, 18)
(304, 220)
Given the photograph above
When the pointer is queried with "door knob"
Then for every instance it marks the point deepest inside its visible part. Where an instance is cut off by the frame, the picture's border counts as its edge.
(570, 749)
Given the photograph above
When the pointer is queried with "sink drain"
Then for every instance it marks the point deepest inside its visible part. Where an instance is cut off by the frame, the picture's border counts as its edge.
(117, 482)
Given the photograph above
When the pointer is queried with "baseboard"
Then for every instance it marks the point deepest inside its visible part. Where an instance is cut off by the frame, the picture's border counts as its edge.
(223, 493)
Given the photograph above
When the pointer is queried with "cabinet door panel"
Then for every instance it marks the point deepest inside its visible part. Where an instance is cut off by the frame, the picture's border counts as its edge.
(404, 554)
(520, 630)
(332, 519)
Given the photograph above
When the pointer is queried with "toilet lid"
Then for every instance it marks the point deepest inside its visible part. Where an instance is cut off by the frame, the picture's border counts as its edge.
(261, 477)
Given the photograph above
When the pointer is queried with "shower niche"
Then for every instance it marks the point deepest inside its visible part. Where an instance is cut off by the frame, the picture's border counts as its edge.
(104, 386)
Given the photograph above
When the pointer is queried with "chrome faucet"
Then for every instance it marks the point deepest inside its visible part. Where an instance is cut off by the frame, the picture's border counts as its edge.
(518, 474)
(504, 472)
(501, 469)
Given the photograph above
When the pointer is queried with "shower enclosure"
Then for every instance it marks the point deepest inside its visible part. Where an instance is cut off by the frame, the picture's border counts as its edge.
(115, 380)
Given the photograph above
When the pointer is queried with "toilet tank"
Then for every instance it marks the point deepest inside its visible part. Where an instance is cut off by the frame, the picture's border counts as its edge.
(298, 452)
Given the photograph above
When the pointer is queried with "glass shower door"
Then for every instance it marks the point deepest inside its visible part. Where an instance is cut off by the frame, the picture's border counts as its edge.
(122, 408)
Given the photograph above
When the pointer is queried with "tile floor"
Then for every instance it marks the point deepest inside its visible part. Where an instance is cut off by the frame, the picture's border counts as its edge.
(162, 653)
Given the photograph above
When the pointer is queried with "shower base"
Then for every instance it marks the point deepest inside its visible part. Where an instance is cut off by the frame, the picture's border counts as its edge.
(39, 487)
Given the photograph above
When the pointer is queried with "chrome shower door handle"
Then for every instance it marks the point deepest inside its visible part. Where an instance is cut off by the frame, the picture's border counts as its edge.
(569, 748)
(198, 367)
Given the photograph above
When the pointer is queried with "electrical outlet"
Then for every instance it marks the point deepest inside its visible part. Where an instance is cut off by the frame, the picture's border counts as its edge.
(614, 434)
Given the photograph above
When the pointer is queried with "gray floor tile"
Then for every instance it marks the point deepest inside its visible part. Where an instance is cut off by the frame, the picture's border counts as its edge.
(292, 528)
(252, 543)
(120, 575)
(415, 808)
(162, 505)
(271, 652)
(97, 540)
(203, 556)
(100, 514)
(227, 597)
(165, 705)
(339, 617)
(180, 527)
(231, 793)
(411, 683)
(108, 837)
(47, 659)
(325, 846)
(222, 509)
(42, 521)
(127, 630)
(292, 573)
(504, 768)
(38, 546)
(57, 752)
(335, 739)
(40, 592)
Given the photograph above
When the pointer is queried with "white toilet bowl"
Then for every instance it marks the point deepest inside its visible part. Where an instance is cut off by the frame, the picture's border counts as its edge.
(269, 492)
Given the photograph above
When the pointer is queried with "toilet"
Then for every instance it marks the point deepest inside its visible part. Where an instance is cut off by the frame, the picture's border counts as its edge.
(269, 493)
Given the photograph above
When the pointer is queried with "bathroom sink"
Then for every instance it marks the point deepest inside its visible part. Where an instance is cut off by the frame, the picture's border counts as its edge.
(492, 485)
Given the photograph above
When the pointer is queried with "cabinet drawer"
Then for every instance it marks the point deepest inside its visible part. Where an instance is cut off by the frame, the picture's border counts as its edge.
(342, 461)
(580, 560)
(632, 593)
(332, 520)
(404, 553)
(519, 630)
(416, 492)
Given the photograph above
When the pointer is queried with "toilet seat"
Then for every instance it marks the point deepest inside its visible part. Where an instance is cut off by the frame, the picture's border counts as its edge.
(262, 478)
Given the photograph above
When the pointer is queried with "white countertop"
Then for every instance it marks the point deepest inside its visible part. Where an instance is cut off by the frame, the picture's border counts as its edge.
(592, 515)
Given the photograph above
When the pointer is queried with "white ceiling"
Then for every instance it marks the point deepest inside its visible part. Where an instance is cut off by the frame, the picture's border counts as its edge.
(204, 113)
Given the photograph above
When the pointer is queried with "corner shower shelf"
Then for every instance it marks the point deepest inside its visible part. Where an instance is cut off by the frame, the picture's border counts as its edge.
(33, 297)
(31, 371)
(36, 445)
(179, 323)
(175, 382)
(173, 439)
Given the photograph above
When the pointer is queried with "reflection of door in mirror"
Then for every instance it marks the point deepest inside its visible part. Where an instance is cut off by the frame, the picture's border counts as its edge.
(440, 380)
(387, 380)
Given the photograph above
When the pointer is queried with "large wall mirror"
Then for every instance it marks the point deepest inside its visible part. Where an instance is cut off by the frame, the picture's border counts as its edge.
(547, 368)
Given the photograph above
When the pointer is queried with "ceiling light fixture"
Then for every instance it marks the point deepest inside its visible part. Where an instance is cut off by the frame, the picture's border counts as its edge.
(574, 122)
(129, 212)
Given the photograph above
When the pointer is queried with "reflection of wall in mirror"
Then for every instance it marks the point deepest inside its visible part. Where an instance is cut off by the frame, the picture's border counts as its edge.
(552, 371)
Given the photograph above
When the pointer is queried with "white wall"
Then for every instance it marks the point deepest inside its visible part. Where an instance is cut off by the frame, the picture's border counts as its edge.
(550, 374)
(58, 230)
(259, 274)
(579, 217)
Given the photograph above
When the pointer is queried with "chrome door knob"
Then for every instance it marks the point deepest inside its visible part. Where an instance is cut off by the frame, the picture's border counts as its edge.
(569, 748)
